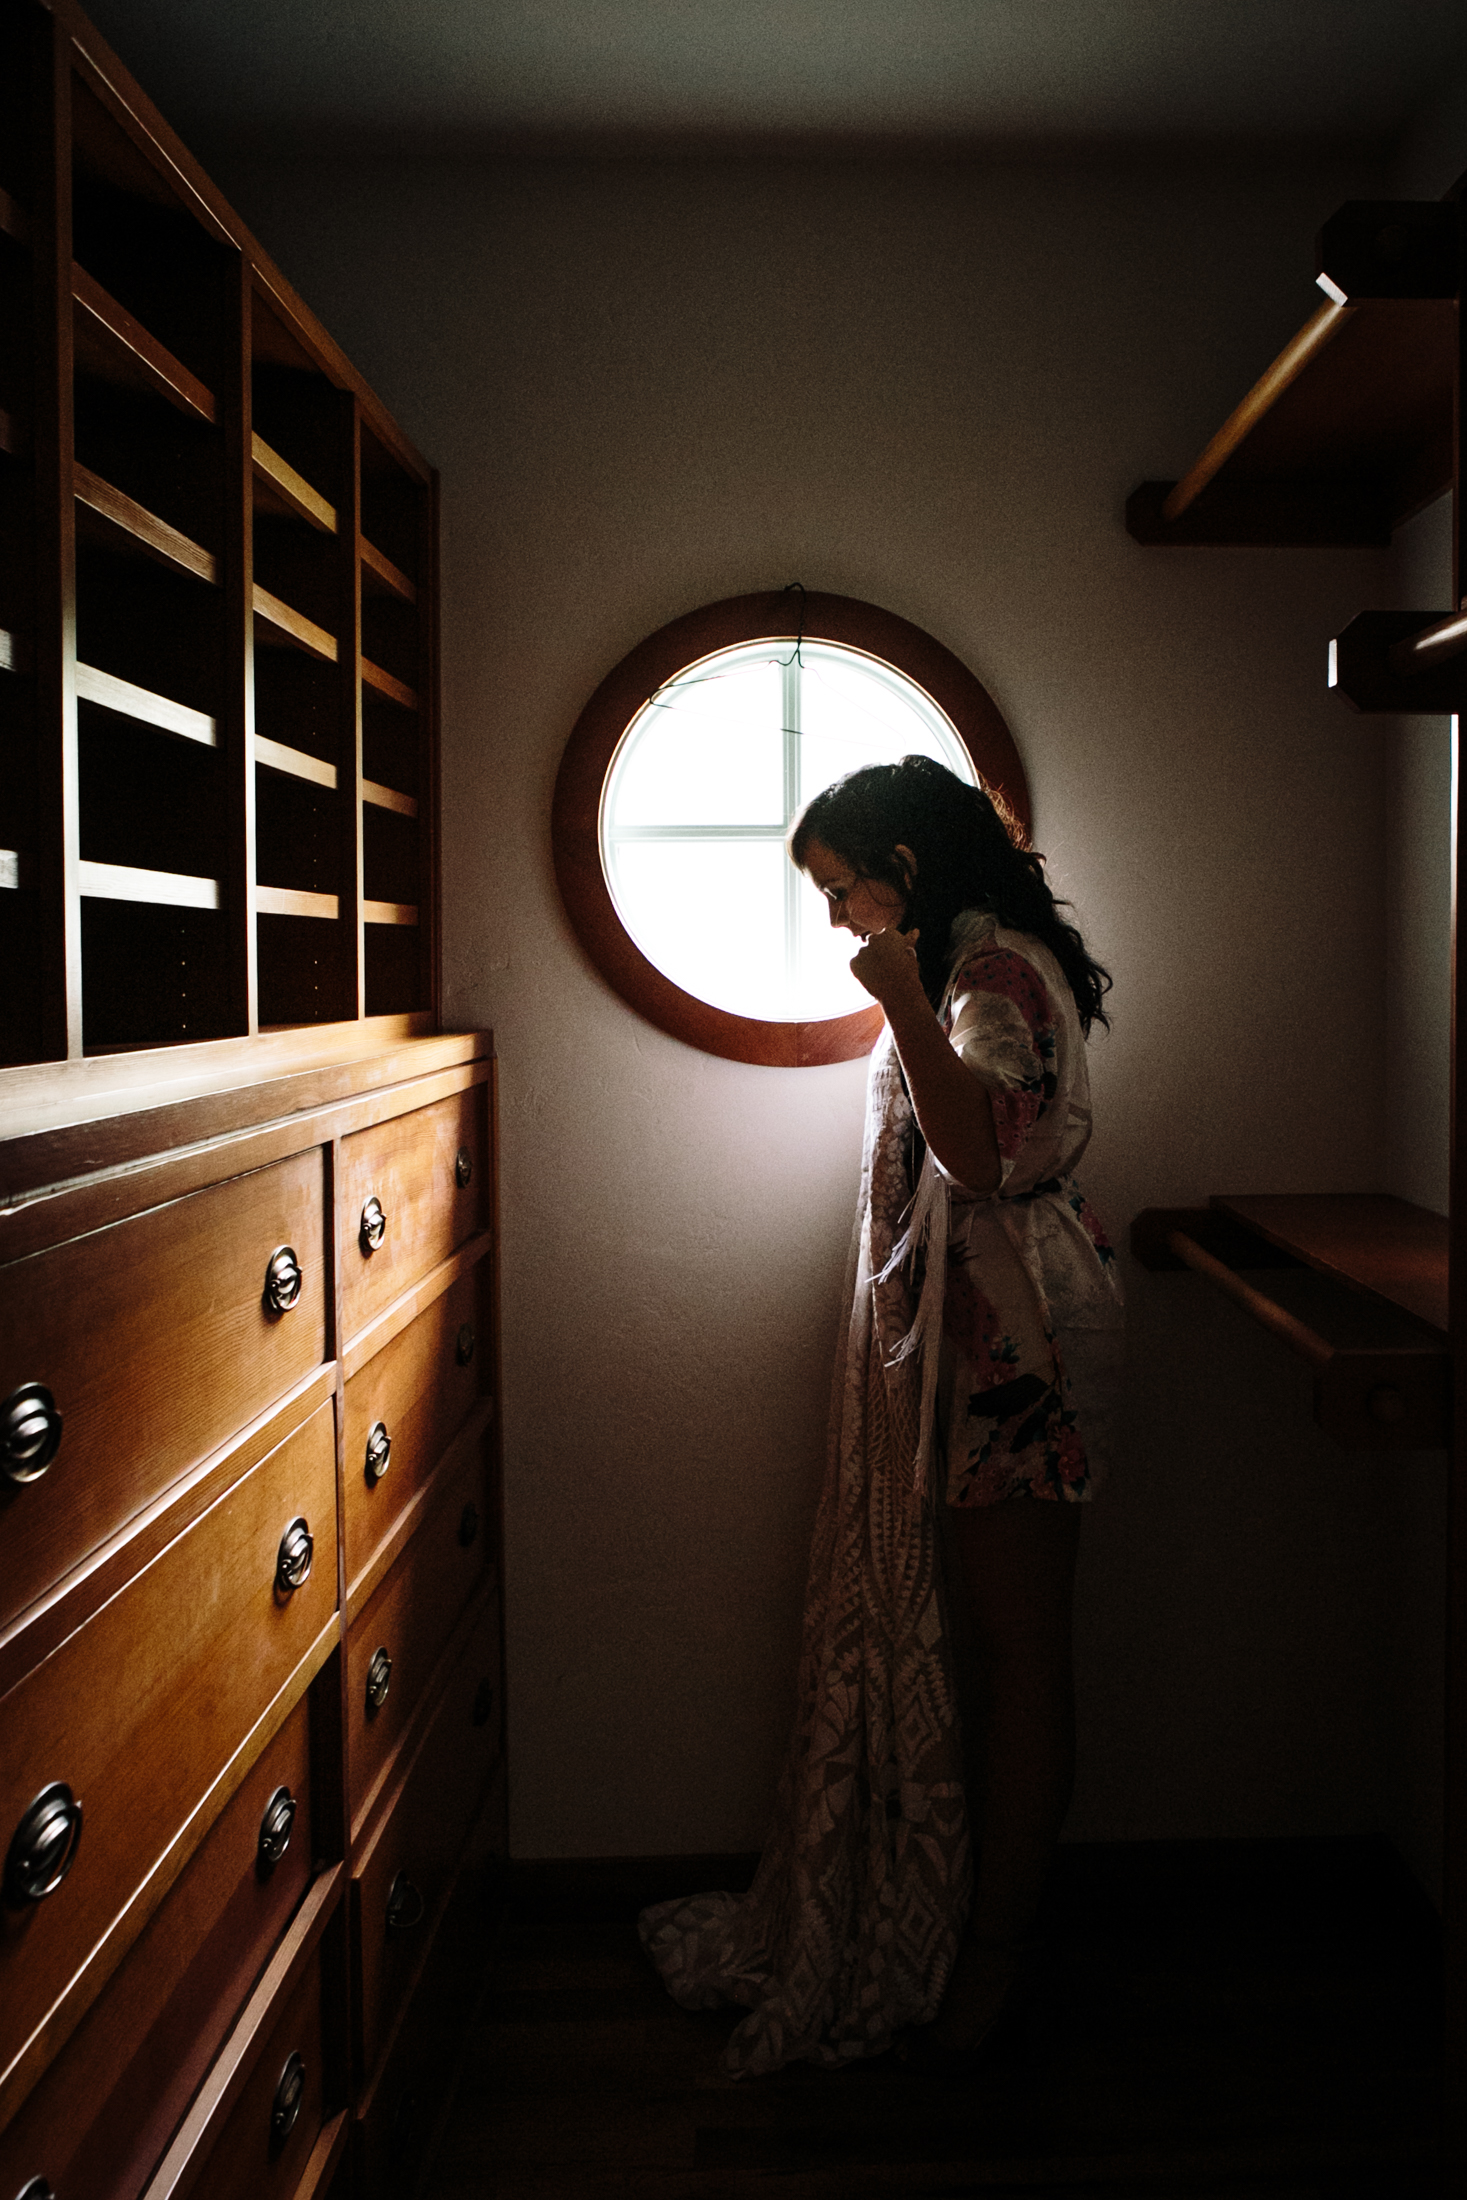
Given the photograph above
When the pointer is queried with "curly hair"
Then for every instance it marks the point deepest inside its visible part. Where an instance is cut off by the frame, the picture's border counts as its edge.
(972, 853)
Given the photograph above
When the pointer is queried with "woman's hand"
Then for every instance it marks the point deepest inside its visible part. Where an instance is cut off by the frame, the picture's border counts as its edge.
(887, 967)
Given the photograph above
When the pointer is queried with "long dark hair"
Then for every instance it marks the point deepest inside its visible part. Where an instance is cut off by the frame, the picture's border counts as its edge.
(972, 853)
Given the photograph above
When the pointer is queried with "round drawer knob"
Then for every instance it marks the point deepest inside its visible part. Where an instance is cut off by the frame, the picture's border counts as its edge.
(374, 1225)
(275, 1829)
(463, 1167)
(379, 1452)
(282, 1280)
(43, 1847)
(293, 1560)
(379, 1679)
(484, 1703)
(30, 1433)
(468, 1525)
(289, 2094)
(463, 1351)
(405, 1906)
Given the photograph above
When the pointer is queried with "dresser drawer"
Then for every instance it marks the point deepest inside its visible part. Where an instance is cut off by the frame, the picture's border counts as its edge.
(400, 1881)
(427, 1173)
(104, 2112)
(408, 1620)
(417, 1390)
(253, 2158)
(140, 1710)
(156, 1342)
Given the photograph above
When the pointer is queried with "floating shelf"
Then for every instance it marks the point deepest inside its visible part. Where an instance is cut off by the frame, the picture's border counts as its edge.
(143, 530)
(117, 347)
(106, 690)
(1380, 1357)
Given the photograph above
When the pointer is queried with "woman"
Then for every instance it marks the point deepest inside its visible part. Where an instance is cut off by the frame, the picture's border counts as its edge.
(977, 1367)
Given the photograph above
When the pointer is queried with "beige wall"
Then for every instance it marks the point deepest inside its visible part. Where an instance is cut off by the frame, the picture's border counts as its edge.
(650, 385)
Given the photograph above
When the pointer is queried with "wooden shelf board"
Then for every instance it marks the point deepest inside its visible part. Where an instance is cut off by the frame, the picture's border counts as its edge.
(294, 627)
(390, 577)
(396, 691)
(296, 762)
(388, 798)
(142, 527)
(389, 912)
(15, 870)
(15, 222)
(105, 689)
(289, 491)
(286, 901)
(13, 653)
(1384, 1247)
(171, 889)
(117, 347)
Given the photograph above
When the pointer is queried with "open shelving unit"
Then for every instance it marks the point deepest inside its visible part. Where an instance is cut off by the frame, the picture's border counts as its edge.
(218, 669)
(1357, 425)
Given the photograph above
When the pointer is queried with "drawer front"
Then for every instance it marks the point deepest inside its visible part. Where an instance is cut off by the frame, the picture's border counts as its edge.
(410, 1167)
(419, 1388)
(410, 1863)
(156, 1343)
(410, 1618)
(138, 1712)
(101, 2117)
(250, 2160)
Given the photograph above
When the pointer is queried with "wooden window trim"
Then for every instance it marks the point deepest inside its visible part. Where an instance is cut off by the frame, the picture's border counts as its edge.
(576, 815)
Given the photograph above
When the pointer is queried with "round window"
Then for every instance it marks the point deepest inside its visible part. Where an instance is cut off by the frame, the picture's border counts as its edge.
(686, 771)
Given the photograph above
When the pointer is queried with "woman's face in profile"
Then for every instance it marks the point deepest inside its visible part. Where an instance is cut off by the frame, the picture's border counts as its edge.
(859, 905)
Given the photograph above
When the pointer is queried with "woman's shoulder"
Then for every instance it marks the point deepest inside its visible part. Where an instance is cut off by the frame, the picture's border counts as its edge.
(987, 957)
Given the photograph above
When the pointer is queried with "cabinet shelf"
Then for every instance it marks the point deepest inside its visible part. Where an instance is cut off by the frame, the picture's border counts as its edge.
(388, 798)
(280, 488)
(396, 691)
(295, 762)
(14, 656)
(15, 871)
(389, 912)
(170, 889)
(287, 901)
(129, 525)
(128, 701)
(115, 346)
(379, 573)
(293, 627)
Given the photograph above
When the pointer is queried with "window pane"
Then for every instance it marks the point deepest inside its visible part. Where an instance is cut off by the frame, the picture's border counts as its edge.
(707, 750)
(851, 714)
(823, 985)
(710, 915)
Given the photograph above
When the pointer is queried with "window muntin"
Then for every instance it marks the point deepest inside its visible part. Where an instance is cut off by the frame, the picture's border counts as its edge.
(703, 787)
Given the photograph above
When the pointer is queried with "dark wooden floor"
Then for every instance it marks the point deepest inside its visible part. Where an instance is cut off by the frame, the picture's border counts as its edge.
(1221, 2020)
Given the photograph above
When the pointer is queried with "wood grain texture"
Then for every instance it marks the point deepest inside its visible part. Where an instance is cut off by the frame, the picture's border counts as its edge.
(1369, 1241)
(130, 701)
(396, 691)
(421, 1392)
(291, 901)
(294, 762)
(384, 573)
(292, 626)
(116, 345)
(411, 1617)
(422, 1832)
(156, 1344)
(142, 528)
(291, 489)
(140, 1739)
(99, 2120)
(408, 1164)
(242, 2162)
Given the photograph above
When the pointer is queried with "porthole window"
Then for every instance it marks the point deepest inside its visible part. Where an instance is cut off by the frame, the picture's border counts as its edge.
(682, 778)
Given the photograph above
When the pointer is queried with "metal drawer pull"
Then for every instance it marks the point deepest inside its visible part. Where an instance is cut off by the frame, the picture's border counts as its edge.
(30, 1433)
(484, 1703)
(463, 1351)
(282, 1280)
(379, 1679)
(43, 1847)
(463, 1167)
(289, 2094)
(275, 1829)
(293, 1560)
(468, 1525)
(379, 1452)
(405, 1906)
(374, 1225)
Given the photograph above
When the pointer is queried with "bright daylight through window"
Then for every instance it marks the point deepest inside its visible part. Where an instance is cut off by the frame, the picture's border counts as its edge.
(706, 782)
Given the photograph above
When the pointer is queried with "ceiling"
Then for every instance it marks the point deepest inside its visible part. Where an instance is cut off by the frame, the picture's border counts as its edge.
(1008, 72)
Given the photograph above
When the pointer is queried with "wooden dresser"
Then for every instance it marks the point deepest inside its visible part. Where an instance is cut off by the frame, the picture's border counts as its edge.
(250, 1639)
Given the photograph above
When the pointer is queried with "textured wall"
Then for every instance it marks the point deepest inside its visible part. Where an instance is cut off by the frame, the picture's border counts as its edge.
(650, 385)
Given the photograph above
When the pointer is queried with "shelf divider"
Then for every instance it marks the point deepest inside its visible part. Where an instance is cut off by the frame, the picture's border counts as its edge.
(351, 842)
(105, 688)
(238, 729)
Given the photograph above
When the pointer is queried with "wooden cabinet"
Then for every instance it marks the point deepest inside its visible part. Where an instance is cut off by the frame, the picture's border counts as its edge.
(248, 1282)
